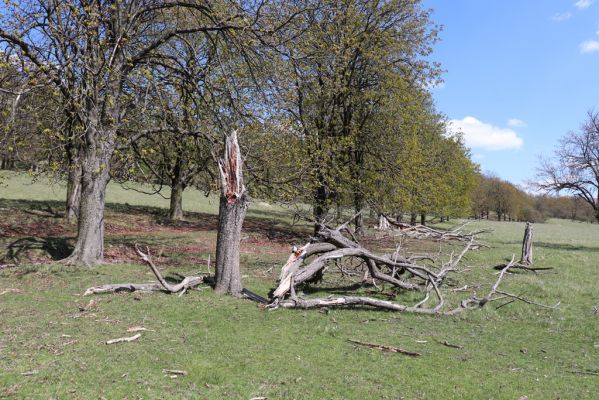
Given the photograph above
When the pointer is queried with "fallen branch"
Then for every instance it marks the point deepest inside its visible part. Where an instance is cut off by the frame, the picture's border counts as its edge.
(163, 286)
(390, 349)
(175, 372)
(9, 290)
(124, 339)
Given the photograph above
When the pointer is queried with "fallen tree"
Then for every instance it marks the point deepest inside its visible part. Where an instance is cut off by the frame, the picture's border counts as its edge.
(307, 263)
(425, 232)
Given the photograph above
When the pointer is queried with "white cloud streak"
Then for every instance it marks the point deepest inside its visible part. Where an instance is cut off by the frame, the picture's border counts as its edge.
(516, 123)
(590, 46)
(559, 17)
(583, 4)
(480, 135)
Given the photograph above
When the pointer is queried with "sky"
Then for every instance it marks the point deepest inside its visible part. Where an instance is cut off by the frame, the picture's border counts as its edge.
(520, 74)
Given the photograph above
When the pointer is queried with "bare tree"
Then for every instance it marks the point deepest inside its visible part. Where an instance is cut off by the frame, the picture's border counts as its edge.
(575, 168)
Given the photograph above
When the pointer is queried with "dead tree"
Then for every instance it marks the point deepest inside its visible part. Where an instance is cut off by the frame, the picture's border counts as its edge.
(234, 202)
(526, 259)
(402, 273)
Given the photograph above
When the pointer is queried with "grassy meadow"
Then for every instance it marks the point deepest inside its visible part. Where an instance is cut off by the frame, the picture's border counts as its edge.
(52, 341)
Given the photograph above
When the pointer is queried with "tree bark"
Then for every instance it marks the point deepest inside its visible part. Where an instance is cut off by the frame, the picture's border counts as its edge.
(320, 206)
(234, 202)
(175, 212)
(413, 219)
(359, 219)
(96, 154)
(423, 219)
(527, 246)
(73, 190)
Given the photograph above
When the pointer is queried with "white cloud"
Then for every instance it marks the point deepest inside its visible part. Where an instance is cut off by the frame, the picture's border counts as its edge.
(582, 4)
(478, 134)
(559, 17)
(590, 46)
(516, 123)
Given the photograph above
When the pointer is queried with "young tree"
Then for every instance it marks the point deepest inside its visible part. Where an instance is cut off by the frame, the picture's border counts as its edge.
(575, 168)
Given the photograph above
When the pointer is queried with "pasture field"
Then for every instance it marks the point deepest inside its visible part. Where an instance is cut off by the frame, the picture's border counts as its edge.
(52, 340)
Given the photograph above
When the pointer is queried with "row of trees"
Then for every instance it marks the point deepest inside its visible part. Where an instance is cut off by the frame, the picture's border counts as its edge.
(328, 99)
(494, 198)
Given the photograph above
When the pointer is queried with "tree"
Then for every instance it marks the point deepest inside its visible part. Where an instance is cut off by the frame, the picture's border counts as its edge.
(575, 168)
(88, 50)
(352, 56)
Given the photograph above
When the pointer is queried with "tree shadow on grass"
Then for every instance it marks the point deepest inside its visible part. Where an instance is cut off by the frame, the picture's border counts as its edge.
(56, 247)
(565, 246)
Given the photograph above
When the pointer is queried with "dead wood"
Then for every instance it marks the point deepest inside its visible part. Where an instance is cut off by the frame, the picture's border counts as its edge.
(124, 339)
(426, 232)
(390, 349)
(526, 258)
(163, 286)
(331, 247)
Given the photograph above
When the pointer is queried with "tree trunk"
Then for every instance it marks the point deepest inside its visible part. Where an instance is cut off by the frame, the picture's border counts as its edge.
(423, 219)
(96, 154)
(413, 219)
(89, 249)
(73, 190)
(359, 219)
(175, 212)
(383, 223)
(177, 187)
(234, 202)
(320, 206)
(527, 246)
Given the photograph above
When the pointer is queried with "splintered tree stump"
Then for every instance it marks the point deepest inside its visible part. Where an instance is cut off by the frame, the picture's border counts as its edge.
(526, 259)
(234, 202)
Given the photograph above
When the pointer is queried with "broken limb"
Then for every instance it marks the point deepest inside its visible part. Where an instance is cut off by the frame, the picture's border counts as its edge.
(163, 286)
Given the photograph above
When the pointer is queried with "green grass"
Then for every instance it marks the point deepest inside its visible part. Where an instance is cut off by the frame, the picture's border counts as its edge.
(234, 350)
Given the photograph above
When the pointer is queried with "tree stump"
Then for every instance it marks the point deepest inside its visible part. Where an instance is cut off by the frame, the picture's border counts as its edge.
(526, 259)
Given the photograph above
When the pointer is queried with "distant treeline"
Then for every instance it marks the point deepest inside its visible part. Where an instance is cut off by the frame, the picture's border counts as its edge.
(501, 200)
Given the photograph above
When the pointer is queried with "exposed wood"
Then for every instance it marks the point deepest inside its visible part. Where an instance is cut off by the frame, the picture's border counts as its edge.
(234, 201)
(390, 349)
(124, 339)
(526, 258)
(330, 246)
(163, 286)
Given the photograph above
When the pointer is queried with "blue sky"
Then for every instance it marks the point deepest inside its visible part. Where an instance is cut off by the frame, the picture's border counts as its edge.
(520, 74)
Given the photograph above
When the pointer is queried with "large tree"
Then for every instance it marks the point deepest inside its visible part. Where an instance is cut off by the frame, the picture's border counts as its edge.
(575, 167)
(88, 51)
(352, 55)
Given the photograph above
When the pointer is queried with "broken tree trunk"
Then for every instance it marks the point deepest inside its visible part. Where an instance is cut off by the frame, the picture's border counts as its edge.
(234, 202)
(383, 223)
(526, 259)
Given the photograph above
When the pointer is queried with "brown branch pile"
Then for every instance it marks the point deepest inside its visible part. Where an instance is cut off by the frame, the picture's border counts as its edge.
(307, 263)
